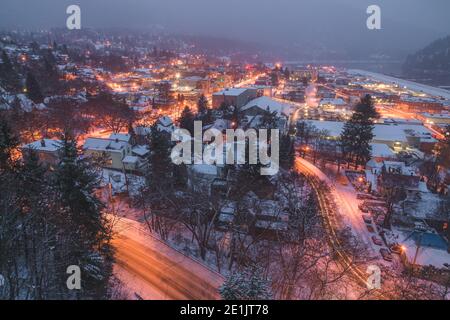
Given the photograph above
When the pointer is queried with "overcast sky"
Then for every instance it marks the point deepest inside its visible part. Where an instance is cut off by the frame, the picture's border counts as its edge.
(406, 24)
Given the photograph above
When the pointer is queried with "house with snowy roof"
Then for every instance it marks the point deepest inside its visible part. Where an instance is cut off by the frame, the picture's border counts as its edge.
(112, 150)
(255, 110)
(165, 124)
(47, 150)
(236, 97)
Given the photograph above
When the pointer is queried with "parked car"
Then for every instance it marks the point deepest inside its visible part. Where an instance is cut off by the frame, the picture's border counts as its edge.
(367, 219)
(385, 253)
(370, 228)
(377, 241)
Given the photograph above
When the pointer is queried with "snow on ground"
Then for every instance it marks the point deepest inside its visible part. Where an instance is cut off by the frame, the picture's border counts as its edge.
(436, 256)
(404, 83)
(118, 181)
(347, 203)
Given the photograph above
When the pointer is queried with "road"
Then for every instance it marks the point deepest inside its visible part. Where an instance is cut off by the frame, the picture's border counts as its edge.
(332, 203)
(153, 270)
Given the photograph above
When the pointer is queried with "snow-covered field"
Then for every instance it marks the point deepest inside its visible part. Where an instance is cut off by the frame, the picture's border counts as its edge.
(404, 83)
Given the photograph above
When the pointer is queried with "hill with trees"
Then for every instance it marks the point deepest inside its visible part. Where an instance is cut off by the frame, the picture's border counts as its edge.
(430, 65)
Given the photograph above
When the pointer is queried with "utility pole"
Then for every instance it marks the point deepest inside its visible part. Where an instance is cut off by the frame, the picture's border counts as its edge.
(417, 249)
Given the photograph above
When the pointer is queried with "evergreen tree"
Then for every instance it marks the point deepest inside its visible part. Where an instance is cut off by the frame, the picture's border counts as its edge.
(287, 73)
(34, 47)
(441, 161)
(229, 112)
(246, 285)
(6, 62)
(274, 79)
(367, 109)
(76, 185)
(287, 152)
(202, 105)
(33, 89)
(187, 119)
(358, 132)
(225, 105)
(9, 78)
(8, 143)
(442, 150)
(160, 172)
(86, 229)
(269, 119)
(65, 50)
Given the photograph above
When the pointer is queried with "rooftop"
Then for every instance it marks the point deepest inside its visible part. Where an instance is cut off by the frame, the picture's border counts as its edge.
(273, 105)
(46, 145)
(231, 92)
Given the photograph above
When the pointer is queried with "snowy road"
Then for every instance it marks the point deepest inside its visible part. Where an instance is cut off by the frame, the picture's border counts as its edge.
(344, 205)
(153, 270)
(347, 205)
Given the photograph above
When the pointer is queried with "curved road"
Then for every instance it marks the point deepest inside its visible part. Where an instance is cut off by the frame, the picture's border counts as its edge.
(153, 270)
(328, 210)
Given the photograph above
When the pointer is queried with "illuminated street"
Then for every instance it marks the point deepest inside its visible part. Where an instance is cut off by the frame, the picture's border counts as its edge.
(155, 271)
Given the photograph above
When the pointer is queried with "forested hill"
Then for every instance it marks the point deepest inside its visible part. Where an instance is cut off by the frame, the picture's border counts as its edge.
(430, 64)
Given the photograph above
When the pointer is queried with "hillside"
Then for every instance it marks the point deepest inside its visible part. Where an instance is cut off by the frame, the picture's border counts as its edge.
(431, 64)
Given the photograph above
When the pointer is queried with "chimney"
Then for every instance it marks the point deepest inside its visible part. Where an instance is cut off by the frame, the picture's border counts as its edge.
(43, 143)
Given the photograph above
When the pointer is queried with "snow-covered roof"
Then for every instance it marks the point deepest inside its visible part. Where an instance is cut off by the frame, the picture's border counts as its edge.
(219, 124)
(399, 166)
(334, 128)
(165, 121)
(120, 137)
(99, 144)
(432, 250)
(389, 133)
(140, 150)
(409, 98)
(44, 145)
(231, 92)
(274, 105)
(142, 131)
(229, 208)
(381, 150)
(25, 103)
(331, 101)
(130, 159)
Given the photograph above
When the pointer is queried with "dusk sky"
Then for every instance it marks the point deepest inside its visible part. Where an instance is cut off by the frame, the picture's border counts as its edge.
(333, 23)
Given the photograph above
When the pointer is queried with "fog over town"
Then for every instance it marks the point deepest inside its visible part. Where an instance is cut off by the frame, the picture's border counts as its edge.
(229, 150)
(328, 24)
